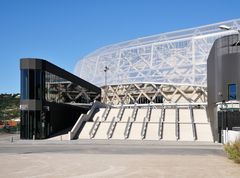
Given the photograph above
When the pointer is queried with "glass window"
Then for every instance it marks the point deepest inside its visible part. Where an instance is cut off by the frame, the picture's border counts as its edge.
(60, 90)
(38, 87)
(24, 84)
(232, 92)
(31, 84)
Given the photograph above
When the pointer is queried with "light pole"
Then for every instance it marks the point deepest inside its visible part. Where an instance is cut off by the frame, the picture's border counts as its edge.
(225, 27)
(105, 70)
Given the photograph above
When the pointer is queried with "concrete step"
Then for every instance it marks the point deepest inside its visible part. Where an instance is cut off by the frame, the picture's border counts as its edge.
(152, 131)
(186, 132)
(113, 113)
(169, 131)
(170, 115)
(184, 116)
(102, 130)
(119, 131)
(135, 132)
(200, 116)
(155, 115)
(141, 114)
(85, 131)
(204, 132)
(127, 113)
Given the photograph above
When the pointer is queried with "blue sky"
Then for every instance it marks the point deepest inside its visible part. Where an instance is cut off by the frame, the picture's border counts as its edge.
(63, 31)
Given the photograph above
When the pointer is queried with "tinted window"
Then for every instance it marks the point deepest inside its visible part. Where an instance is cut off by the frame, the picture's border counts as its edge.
(31, 84)
(232, 92)
(38, 86)
(24, 84)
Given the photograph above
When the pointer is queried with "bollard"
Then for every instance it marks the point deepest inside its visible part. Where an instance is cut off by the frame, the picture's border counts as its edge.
(33, 137)
(11, 139)
(61, 138)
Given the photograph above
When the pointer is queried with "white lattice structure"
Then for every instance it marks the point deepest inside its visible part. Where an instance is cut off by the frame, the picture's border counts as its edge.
(173, 58)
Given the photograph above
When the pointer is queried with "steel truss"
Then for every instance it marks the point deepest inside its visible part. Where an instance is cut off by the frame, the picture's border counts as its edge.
(178, 57)
(68, 92)
(149, 92)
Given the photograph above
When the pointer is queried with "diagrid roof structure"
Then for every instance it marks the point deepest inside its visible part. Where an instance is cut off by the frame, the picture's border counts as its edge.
(176, 58)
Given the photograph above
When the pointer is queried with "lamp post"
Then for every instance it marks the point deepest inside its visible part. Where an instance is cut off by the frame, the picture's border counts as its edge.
(105, 71)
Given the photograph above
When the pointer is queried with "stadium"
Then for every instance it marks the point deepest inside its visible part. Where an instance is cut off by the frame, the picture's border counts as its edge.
(150, 88)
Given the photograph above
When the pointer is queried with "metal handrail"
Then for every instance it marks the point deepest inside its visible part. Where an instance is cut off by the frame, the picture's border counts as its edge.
(193, 124)
(93, 130)
(144, 128)
(127, 128)
(120, 113)
(177, 124)
(160, 127)
(105, 113)
(111, 128)
(134, 113)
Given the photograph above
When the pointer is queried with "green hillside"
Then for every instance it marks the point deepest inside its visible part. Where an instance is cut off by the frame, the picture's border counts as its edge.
(9, 106)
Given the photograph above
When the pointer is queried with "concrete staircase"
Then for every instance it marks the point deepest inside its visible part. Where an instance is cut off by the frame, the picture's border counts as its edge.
(149, 123)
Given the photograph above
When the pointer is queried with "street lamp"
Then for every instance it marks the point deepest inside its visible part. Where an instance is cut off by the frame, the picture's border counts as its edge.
(225, 27)
(105, 70)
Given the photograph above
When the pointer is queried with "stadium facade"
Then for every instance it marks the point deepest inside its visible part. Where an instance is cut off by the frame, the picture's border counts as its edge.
(162, 87)
(173, 65)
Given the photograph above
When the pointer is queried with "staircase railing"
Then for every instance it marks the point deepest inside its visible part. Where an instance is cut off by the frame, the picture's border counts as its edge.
(160, 127)
(94, 128)
(144, 128)
(177, 124)
(111, 128)
(127, 128)
(193, 124)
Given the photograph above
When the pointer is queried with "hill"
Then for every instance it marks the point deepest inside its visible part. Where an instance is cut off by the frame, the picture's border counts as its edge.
(9, 106)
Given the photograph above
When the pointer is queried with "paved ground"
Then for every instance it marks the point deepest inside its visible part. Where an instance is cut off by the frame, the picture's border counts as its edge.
(99, 158)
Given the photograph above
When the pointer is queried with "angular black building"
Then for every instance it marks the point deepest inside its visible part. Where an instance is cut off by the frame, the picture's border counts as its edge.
(52, 99)
(223, 81)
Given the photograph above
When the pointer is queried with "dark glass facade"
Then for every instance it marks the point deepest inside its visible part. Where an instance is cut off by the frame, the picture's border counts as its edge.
(48, 97)
(31, 84)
